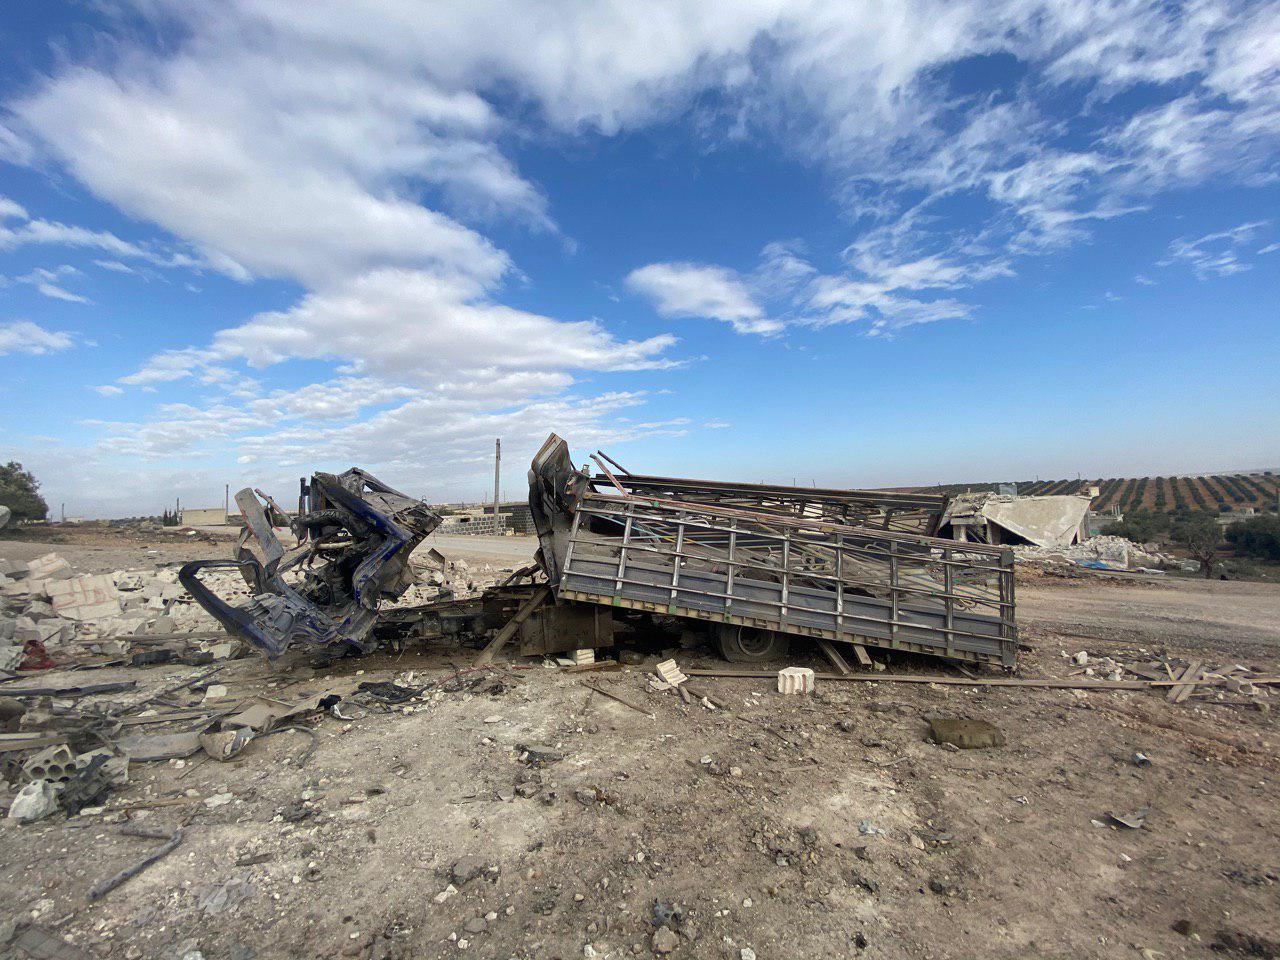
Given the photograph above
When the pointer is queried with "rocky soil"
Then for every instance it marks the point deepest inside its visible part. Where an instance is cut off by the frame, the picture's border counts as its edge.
(519, 812)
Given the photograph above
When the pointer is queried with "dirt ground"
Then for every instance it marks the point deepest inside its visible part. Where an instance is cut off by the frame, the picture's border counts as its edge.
(822, 826)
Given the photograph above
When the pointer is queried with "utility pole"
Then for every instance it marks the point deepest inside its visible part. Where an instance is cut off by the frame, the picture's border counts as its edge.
(226, 502)
(497, 474)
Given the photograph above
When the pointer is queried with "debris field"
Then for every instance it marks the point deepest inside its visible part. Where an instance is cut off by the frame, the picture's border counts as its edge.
(426, 791)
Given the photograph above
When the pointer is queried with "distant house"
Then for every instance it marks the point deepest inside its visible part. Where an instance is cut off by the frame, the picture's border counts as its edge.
(204, 517)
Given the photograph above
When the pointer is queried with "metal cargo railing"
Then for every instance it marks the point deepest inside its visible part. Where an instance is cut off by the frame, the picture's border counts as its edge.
(796, 575)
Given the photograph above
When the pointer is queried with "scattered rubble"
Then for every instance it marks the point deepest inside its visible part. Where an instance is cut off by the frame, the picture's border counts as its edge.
(1102, 552)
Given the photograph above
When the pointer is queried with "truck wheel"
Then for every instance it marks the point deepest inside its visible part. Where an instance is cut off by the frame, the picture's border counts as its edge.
(751, 645)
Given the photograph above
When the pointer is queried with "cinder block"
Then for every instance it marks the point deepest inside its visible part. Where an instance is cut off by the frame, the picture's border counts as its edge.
(55, 630)
(795, 680)
(582, 657)
(13, 568)
(11, 655)
(56, 764)
(38, 610)
(89, 597)
(49, 567)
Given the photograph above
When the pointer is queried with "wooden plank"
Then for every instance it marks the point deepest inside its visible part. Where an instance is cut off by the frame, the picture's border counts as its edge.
(1192, 671)
(28, 741)
(1181, 693)
(526, 609)
(948, 681)
(79, 690)
(1047, 682)
(614, 696)
(832, 654)
(860, 652)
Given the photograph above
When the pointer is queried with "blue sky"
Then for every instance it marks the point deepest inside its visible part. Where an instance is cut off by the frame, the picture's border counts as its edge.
(828, 242)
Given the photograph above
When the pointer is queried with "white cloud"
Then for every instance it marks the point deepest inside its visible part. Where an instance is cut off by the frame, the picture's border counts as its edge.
(413, 327)
(11, 209)
(114, 266)
(49, 283)
(1216, 254)
(695, 290)
(107, 390)
(39, 232)
(13, 149)
(277, 157)
(23, 336)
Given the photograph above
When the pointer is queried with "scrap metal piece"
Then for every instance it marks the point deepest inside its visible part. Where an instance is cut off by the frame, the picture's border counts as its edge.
(354, 534)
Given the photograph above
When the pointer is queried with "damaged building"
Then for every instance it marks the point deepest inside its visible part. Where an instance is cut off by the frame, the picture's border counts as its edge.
(1006, 519)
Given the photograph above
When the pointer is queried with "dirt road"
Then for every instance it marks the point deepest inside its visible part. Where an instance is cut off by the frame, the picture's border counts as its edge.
(1202, 615)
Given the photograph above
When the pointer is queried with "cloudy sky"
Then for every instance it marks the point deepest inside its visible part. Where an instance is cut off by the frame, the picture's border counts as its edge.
(837, 242)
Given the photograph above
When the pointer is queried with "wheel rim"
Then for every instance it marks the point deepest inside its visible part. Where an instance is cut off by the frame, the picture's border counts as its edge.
(755, 643)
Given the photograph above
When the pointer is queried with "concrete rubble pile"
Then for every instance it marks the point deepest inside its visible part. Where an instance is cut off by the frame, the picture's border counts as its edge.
(71, 616)
(1110, 552)
(48, 607)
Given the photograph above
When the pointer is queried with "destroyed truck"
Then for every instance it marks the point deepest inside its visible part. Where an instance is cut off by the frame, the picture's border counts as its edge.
(756, 565)
(762, 564)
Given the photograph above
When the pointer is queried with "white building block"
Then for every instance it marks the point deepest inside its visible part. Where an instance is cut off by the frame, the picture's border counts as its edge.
(90, 597)
(49, 567)
(795, 680)
(669, 671)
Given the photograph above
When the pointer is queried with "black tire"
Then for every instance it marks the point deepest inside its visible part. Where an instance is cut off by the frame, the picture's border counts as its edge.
(751, 645)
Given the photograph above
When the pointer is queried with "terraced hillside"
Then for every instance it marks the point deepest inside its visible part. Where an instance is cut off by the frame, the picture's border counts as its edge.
(1214, 493)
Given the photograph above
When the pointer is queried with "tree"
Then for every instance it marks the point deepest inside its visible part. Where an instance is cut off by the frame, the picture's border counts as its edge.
(1201, 535)
(1256, 537)
(20, 492)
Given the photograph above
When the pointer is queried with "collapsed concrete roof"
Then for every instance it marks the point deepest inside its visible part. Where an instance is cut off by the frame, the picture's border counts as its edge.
(995, 518)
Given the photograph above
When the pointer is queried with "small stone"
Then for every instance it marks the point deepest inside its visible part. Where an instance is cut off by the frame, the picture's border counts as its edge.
(219, 800)
(476, 925)
(746, 953)
(34, 802)
(665, 940)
